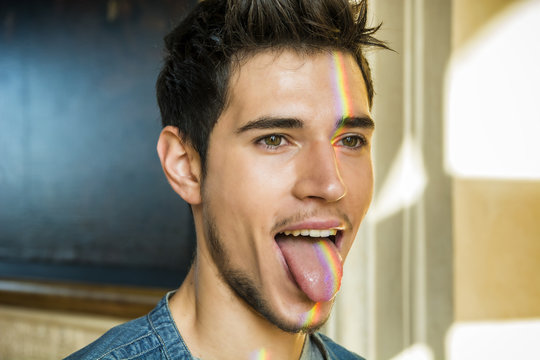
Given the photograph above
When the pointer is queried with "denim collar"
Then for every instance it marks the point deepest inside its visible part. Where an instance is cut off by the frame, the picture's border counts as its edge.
(163, 325)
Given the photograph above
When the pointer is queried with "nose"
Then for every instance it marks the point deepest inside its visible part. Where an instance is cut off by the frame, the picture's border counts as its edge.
(318, 175)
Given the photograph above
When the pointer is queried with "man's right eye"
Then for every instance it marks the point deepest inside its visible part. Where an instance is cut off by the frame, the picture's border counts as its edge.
(272, 141)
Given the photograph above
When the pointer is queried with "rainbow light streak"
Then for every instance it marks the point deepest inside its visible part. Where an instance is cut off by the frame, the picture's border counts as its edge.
(311, 316)
(333, 268)
(340, 84)
(333, 276)
(261, 354)
(341, 87)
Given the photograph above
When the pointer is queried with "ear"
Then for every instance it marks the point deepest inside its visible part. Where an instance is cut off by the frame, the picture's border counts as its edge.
(181, 164)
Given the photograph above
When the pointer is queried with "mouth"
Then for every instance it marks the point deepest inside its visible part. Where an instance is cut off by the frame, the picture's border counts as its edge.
(333, 234)
(312, 260)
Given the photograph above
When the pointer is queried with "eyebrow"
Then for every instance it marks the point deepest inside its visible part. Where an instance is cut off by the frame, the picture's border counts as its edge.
(355, 122)
(268, 122)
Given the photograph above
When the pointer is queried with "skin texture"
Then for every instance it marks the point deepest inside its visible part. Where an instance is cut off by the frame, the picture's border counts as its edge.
(239, 296)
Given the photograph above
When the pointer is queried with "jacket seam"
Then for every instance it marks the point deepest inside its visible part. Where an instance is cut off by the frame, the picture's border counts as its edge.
(165, 351)
(124, 345)
(142, 353)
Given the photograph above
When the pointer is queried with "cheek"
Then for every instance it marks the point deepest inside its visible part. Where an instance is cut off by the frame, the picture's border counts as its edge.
(246, 190)
(254, 181)
(359, 180)
(358, 177)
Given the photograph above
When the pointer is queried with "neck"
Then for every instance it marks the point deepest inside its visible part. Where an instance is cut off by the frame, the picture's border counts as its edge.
(216, 323)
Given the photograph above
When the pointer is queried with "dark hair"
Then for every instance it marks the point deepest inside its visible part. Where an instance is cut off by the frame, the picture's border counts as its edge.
(203, 49)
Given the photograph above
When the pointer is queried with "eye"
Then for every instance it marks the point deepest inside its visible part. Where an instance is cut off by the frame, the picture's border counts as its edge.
(352, 141)
(272, 142)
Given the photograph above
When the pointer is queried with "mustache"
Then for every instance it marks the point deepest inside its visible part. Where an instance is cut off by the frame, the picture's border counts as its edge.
(306, 215)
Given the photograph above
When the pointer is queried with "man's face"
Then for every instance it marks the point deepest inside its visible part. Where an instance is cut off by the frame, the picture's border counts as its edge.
(290, 154)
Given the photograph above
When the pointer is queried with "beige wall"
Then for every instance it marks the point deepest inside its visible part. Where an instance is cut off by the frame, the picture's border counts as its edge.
(497, 249)
(496, 223)
(27, 334)
(410, 249)
(469, 16)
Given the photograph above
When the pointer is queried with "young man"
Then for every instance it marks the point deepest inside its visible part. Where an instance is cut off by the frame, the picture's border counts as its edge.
(267, 132)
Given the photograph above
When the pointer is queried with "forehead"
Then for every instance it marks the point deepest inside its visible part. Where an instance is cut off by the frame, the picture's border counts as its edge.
(278, 83)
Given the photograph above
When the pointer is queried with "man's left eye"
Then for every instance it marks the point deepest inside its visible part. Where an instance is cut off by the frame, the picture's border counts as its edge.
(352, 141)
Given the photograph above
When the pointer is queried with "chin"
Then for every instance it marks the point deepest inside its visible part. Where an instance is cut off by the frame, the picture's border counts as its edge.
(306, 321)
(316, 317)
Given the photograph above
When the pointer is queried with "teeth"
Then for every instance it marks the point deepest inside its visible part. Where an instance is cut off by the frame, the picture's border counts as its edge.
(312, 233)
(315, 233)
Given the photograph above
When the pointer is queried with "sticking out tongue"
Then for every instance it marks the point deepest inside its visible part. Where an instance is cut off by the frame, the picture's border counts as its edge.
(314, 263)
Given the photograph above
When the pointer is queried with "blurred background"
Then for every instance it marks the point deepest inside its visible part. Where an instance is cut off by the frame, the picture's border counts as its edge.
(446, 265)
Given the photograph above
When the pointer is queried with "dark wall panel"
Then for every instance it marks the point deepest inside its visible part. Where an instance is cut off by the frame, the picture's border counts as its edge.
(80, 182)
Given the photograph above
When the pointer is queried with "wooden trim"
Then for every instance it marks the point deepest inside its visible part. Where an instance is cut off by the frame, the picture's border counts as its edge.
(120, 301)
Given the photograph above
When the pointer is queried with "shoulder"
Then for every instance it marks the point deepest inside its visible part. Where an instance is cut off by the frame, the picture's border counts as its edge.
(334, 350)
(152, 337)
(134, 338)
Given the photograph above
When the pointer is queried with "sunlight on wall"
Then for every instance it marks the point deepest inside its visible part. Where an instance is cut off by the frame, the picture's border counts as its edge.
(405, 183)
(494, 340)
(493, 91)
(415, 352)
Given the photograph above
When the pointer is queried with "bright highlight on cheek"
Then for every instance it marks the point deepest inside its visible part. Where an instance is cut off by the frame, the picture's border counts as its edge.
(261, 354)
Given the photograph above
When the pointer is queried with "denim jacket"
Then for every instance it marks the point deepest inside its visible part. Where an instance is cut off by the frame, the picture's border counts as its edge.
(155, 336)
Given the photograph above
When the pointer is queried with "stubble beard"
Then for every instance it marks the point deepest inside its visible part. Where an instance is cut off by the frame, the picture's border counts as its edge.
(242, 284)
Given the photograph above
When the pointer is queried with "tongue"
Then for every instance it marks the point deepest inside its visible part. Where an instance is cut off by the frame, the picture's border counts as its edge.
(315, 265)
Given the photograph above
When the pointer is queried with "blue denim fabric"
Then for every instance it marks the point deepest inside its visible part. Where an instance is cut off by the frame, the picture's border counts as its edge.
(155, 336)
(333, 351)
